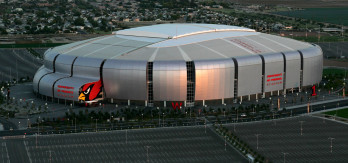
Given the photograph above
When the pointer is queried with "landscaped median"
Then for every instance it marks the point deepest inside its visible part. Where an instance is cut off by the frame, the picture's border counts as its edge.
(343, 113)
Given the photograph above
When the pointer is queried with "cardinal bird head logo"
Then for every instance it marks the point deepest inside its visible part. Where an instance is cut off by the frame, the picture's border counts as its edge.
(90, 91)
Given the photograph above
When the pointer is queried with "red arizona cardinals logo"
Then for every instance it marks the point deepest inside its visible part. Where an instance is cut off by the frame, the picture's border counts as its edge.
(90, 91)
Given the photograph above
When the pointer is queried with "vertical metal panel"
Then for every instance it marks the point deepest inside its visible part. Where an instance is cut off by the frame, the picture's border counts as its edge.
(125, 79)
(312, 65)
(169, 80)
(63, 64)
(249, 75)
(293, 68)
(49, 59)
(214, 79)
(46, 83)
(68, 88)
(274, 71)
(87, 67)
(38, 75)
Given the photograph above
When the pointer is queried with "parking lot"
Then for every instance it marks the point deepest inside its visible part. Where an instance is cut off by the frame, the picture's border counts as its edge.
(277, 137)
(178, 144)
(334, 49)
(26, 65)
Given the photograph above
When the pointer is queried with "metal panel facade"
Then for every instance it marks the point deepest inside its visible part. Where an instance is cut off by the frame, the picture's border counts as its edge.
(274, 72)
(68, 88)
(87, 68)
(214, 79)
(41, 72)
(49, 58)
(125, 79)
(312, 65)
(63, 64)
(46, 83)
(249, 75)
(169, 80)
(293, 68)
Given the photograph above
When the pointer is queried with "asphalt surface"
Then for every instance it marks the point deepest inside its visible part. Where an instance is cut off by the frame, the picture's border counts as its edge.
(284, 136)
(178, 144)
(334, 49)
(27, 64)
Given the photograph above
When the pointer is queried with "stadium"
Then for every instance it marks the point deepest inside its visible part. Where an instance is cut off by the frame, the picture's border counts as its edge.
(186, 63)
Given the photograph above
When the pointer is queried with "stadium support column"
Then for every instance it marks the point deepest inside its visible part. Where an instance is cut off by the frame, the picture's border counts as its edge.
(165, 103)
(112, 100)
(191, 80)
(248, 97)
(149, 72)
(203, 102)
(284, 74)
(222, 101)
(128, 102)
(301, 72)
(145, 103)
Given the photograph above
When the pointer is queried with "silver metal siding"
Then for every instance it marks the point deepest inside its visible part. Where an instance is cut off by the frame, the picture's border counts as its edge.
(74, 83)
(49, 58)
(312, 65)
(214, 79)
(63, 64)
(293, 68)
(39, 73)
(87, 67)
(249, 75)
(169, 80)
(125, 79)
(274, 65)
(46, 83)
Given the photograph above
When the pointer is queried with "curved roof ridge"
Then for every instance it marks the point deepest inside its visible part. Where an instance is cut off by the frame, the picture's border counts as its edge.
(173, 31)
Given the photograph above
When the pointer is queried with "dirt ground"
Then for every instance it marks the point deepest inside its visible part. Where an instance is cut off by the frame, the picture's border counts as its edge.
(335, 63)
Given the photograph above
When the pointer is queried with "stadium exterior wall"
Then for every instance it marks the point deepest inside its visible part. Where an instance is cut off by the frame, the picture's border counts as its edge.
(214, 79)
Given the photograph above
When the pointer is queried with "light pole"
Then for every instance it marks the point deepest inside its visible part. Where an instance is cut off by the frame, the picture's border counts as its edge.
(284, 153)
(205, 125)
(50, 159)
(147, 152)
(159, 118)
(257, 140)
(163, 119)
(75, 124)
(225, 143)
(126, 136)
(331, 143)
(96, 125)
(38, 128)
(301, 126)
(324, 116)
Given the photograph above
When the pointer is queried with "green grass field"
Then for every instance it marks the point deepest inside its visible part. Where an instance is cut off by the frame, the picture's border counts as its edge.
(330, 15)
(336, 72)
(340, 113)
